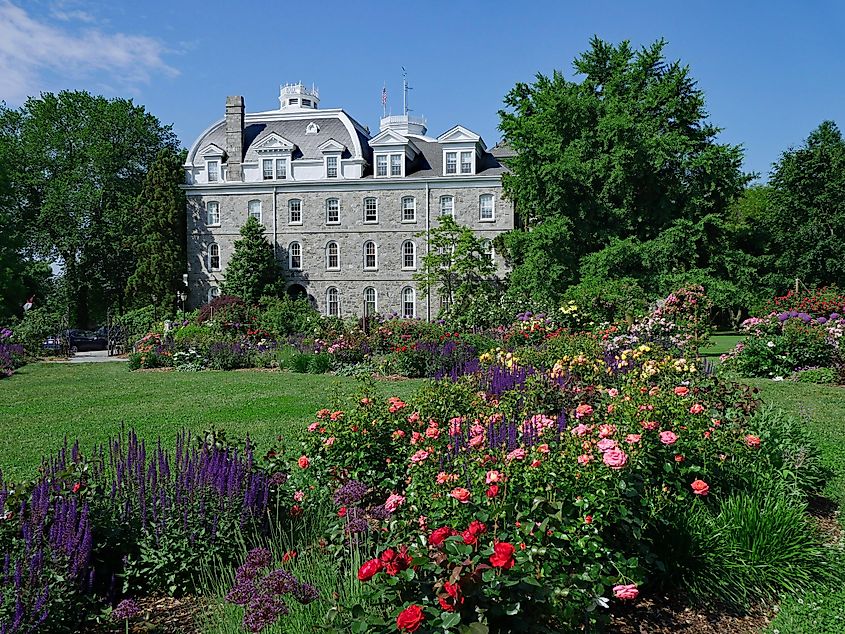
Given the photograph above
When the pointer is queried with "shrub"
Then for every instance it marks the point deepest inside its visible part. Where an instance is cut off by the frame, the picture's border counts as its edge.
(225, 309)
(11, 354)
(284, 316)
(319, 363)
(823, 376)
(36, 326)
(136, 323)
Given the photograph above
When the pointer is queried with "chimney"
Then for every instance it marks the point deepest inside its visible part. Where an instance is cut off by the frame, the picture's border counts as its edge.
(235, 137)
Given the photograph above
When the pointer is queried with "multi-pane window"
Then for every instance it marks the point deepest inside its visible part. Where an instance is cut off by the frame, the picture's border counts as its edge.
(370, 301)
(332, 211)
(281, 169)
(213, 169)
(254, 207)
(409, 255)
(370, 210)
(409, 209)
(331, 167)
(396, 165)
(332, 302)
(381, 165)
(213, 257)
(485, 207)
(447, 206)
(370, 256)
(267, 169)
(212, 212)
(294, 256)
(332, 256)
(451, 162)
(409, 303)
(487, 249)
(295, 212)
(445, 304)
(466, 162)
(213, 293)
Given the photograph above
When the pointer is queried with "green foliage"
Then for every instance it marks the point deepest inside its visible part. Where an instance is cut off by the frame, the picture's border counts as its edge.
(606, 301)
(36, 325)
(817, 612)
(136, 323)
(282, 316)
(625, 153)
(253, 270)
(824, 376)
(162, 248)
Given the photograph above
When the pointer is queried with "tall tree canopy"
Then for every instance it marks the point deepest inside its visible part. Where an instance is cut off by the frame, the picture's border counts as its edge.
(80, 165)
(806, 215)
(623, 153)
(161, 248)
(253, 270)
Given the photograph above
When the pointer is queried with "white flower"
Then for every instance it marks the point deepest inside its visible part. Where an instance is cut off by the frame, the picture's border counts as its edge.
(771, 344)
(778, 378)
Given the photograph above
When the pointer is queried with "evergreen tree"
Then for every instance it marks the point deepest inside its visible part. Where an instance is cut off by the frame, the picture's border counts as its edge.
(161, 251)
(253, 270)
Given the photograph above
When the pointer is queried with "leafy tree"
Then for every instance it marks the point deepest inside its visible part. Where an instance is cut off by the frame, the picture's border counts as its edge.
(253, 270)
(161, 251)
(460, 270)
(806, 218)
(81, 162)
(622, 154)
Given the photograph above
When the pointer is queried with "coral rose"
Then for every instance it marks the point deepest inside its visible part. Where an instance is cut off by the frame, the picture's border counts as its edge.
(615, 458)
(393, 502)
(626, 592)
(696, 408)
(752, 441)
(700, 487)
(369, 569)
(303, 462)
(502, 556)
(460, 494)
(681, 390)
(410, 619)
(633, 438)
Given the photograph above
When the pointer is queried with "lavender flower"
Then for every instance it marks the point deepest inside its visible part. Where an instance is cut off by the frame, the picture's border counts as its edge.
(125, 610)
(350, 493)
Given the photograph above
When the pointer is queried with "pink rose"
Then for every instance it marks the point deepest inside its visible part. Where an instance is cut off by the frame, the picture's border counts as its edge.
(700, 487)
(606, 444)
(681, 390)
(627, 592)
(752, 441)
(494, 476)
(696, 409)
(584, 458)
(544, 448)
(394, 501)
(668, 437)
(606, 430)
(583, 410)
(580, 430)
(650, 425)
(419, 456)
(615, 458)
(516, 454)
(633, 438)
(303, 462)
(313, 426)
(328, 442)
(476, 441)
(298, 496)
(460, 494)
(613, 392)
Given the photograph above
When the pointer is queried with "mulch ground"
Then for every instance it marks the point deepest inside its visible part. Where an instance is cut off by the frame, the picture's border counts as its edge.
(668, 614)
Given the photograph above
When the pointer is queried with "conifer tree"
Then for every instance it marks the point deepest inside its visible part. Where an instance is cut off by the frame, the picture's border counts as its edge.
(253, 270)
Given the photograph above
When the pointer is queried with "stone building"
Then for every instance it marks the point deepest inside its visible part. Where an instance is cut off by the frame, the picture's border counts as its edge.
(345, 211)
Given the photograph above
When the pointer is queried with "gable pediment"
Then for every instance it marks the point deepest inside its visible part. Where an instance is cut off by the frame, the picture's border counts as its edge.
(274, 143)
(212, 150)
(331, 146)
(459, 134)
(388, 137)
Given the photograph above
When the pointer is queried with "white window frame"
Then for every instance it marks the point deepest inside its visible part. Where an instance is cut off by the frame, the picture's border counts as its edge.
(281, 169)
(412, 208)
(374, 267)
(367, 302)
(208, 217)
(379, 158)
(451, 200)
(328, 201)
(291, 210)
(212, 248)
(492, 199)
(209, 172)
(413, 254)
(488, 250)
(396, 161)
(465, 153)
(329, 256)
(336, 159)
(404, 302)
(291, 255)
(332, 290)
(213, 293)
(370, 220)
(268, 174)
(446, 156)
(249, 210)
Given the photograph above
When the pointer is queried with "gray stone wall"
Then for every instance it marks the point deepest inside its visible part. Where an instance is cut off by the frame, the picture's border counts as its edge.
(389, 233)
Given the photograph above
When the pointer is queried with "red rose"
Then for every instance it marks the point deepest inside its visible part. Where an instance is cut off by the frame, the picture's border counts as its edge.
(700, 487)
(453, 598)
(76, 487)
(493, 491)
(445, 604)
(470, 538)
(502, 556)
(438, 536)
(369, 569)
(477, 528)
(341, 512)
(303, 462)
(410, 619)
(387, 555)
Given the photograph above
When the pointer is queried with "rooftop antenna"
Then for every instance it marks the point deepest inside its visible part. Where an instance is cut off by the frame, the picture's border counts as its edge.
(405, 89)
(384, 100)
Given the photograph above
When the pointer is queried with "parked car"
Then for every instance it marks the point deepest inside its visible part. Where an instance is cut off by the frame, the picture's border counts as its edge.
(84, 340)
(55, 343)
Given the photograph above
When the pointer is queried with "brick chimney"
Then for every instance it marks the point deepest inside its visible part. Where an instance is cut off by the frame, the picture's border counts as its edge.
(235, 137)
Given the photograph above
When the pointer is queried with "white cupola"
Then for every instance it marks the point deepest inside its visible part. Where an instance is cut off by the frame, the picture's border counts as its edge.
(298, 96)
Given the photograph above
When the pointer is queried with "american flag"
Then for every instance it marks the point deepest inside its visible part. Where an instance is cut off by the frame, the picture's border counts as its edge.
(384, 95)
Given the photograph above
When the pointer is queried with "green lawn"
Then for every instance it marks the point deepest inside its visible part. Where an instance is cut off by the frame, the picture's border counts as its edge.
(41, 403)
(720, 344)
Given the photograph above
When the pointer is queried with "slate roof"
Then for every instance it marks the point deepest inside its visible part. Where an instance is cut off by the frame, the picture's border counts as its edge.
(429, 163)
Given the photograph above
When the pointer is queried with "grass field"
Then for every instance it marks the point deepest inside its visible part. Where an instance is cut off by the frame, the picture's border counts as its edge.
(41, 403)
(720, 344)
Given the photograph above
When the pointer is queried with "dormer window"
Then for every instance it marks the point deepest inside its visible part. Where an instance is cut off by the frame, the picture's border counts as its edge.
(466, 162)
(274, 169)
(213, 170)
(381, 165)
(293, 102)
(451, 162)
(306, 103)
(396, 165)
(331, 167)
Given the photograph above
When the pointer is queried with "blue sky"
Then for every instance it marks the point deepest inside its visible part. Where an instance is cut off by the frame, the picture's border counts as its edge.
(772, 71)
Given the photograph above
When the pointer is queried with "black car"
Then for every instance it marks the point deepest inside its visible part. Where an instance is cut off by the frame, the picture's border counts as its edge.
(83, 340)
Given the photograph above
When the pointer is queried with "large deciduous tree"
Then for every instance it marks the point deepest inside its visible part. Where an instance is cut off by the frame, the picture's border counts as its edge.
(80, 168)
(622, 154)
(806, 216)
(253, 270)
(161, 246)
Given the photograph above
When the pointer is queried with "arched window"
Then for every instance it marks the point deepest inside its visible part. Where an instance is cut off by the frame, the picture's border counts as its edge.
(447, 206)
(295, 212)
(295, 256)
(213, 257)
(332, 256)
(332, 211)
(485, 207)
(409, 255)
(370, 256)
(409, 303)
(409, 209)
(212, 212)
(371, 210)
(332, 302)
(213, 293)
(370, 301)
(254, 207)
(487, 249)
